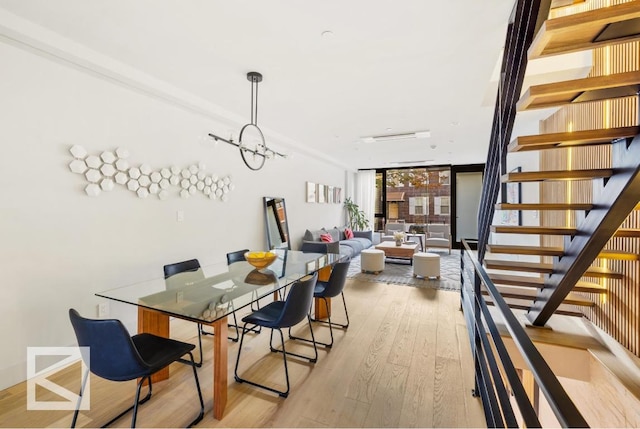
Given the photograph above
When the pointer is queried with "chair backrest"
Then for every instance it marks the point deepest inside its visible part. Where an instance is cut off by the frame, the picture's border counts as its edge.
(181, 267)
(298, 302)
(236, 256)
(337, 279)
(435, 229)
(181, 274)
(113, 354)
(391, 227)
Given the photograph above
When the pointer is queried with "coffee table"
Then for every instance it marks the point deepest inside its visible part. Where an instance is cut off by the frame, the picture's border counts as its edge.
(403, 252)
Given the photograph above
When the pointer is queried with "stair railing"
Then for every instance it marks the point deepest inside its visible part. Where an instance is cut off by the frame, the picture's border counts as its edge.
(485, 337)
(526, 19)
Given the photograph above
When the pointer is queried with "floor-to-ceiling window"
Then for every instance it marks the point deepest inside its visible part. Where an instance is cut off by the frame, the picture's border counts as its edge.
(416, 195)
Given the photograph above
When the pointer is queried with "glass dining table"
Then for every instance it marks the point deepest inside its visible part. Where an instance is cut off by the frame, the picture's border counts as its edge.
(201, 297)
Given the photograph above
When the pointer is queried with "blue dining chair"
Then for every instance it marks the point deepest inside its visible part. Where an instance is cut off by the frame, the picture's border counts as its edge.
(330, 289)
(115, 355)
(193, 266)
(282, 314)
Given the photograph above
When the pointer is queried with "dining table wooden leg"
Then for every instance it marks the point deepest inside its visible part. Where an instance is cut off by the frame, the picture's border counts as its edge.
(220, 367)
(154, 322)
(321, 310)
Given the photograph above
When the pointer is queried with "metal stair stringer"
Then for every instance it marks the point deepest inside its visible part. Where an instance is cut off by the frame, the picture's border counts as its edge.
(611, 207)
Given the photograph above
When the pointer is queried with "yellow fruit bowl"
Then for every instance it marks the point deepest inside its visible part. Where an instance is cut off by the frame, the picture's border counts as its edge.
(260, 260)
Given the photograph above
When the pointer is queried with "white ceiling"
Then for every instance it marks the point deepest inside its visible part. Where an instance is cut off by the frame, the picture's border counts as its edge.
(391, 66)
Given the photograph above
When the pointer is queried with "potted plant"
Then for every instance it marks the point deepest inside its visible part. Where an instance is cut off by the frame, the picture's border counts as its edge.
(356, 218)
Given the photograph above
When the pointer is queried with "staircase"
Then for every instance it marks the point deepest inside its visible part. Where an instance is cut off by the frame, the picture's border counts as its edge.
(563, 278)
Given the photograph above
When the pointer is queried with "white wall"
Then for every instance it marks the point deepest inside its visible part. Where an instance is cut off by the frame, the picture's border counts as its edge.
(60, 246)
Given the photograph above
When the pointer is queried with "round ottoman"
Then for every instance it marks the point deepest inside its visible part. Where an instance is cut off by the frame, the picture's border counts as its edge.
(426, 265)
(372, 261)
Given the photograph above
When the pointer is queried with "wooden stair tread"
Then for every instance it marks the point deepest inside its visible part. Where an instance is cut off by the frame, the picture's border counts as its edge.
(541, 176)
(627, 232)
(575, 138)
(520, 304)
(530, 294)
(619, 255)
(586, 30)
(538, 282)
(525, 250)
(544, 268)
(544, 206)
(542, 230)
(580, 90)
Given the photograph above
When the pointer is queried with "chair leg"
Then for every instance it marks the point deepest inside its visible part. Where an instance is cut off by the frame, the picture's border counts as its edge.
(85, 377)
(337, 325)
(284, 393)
(195, 375)
(312, 340)
(137, 402)
(327, 345)
(200, 333)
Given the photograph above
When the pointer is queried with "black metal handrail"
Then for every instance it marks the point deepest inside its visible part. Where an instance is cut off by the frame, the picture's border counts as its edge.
(527, 18)
(489, 367)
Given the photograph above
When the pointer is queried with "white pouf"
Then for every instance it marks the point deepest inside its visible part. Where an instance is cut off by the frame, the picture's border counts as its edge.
(372, 260)
(426, 265)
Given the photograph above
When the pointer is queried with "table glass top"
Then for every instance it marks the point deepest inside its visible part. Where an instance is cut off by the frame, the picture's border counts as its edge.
(196, 296)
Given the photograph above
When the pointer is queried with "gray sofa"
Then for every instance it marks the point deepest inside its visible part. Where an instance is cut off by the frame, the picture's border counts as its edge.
(361, 240)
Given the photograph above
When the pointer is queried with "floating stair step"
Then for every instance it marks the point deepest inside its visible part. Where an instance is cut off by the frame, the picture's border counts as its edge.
(525, 250)
(538, 282)
(520, 304)
(541, 230)
(619, 256)
(543, 268)
(627, 232)
(580, 90)
(587, 30)
(530, 294)
(575, 138)
(544, 206)
(541, 176)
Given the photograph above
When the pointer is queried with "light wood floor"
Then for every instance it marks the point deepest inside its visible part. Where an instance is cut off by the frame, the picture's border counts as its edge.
(404, 362)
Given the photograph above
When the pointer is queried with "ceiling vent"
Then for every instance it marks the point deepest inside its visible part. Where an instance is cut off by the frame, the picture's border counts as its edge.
(392, 137)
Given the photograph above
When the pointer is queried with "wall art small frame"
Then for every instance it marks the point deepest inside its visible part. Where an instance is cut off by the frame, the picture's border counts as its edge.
(311, 192)
(319, 193)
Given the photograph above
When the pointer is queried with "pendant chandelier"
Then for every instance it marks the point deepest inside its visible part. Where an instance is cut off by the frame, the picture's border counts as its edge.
(253, 149)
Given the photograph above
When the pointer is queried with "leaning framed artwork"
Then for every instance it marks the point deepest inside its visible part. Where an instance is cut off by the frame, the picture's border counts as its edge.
(513, 196)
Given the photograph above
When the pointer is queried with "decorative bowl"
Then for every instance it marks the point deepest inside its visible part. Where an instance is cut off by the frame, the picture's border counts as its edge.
(260, 259)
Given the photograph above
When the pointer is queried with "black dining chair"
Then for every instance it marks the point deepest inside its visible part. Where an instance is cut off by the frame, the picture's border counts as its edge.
(193, 266)
(330, 289)
(283, 314)
(115, 355)
(238, 256)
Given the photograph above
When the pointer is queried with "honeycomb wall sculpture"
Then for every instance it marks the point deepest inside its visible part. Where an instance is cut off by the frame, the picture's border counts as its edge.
(111, 169)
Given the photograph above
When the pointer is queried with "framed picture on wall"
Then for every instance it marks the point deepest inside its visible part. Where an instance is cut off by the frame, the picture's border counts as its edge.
(513, 196)
(330, 196)
(338, 195)
(320, 193)
(311, 192)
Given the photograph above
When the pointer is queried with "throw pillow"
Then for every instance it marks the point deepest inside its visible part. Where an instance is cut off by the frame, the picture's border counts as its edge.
(335, 234)
(348, 233)
(326, 238)
(436, 235)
